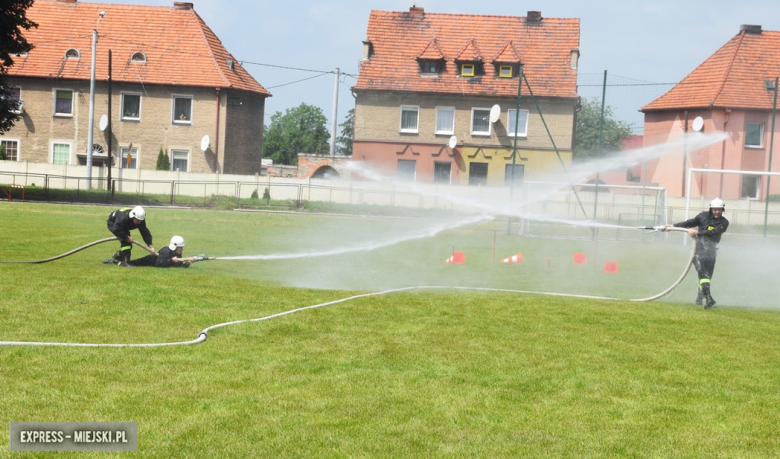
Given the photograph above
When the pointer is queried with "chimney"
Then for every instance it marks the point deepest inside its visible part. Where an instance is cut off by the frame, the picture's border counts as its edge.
(534, 16)
(575, 58)
(183, 5)
(366, 50)
(416, 10)
(756, 29)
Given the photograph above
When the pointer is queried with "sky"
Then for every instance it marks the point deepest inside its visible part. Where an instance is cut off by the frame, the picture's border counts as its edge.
(655, 41)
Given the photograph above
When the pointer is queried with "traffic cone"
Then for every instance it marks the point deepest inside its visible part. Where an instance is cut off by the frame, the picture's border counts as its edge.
(514, 259)
(611, 267)
(580, 259)
(457, 258)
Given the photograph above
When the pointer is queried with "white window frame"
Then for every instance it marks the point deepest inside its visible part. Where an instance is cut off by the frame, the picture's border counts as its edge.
(122, 105)
(436, 126)
(760, 136)
(757, 192)
(21, 101)
(77, 56)
(401, 119)
(189, 154)
(510, 125)
(489, 124)
(72, 104)
(18, 146)
(449, 182)
(60, 142)
(123, 151)
(173, 108)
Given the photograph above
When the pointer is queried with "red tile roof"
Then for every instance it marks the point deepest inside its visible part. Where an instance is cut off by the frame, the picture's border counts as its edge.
(398, 38)
(180, 48)
(733, 77)
(431, 51)
(508, 55)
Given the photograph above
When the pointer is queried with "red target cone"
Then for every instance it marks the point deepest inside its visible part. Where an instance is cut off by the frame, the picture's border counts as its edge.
(580, 259)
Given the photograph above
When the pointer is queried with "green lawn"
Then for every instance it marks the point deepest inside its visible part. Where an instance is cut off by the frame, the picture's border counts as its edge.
(413, 374)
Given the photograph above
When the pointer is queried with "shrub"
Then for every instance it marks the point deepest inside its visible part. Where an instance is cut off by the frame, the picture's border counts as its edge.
(163, 161)
(254, 194)
(266, 195)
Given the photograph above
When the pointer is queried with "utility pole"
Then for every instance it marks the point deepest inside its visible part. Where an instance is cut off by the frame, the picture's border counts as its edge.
(92, 102)
(335, 114)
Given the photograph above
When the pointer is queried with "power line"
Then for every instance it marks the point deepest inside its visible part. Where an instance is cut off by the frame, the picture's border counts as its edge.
(298, 81)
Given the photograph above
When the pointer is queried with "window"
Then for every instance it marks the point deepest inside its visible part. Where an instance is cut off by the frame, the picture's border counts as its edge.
(441, 172)
(11, 149)
(131, 106)
(73, 53)
(754, 135)
(522, 124)
(129, 158)
(180, 160)
(409, 118)
(518, 178)
(467, 70)
(480, 121)
(15, 99)
(478, 174)
(750, 184)
(406, 170)
(429, 67)
(138, 57)
(505, 71)
(182, 109)
(63, 102)
(60, 153)
(445, 121)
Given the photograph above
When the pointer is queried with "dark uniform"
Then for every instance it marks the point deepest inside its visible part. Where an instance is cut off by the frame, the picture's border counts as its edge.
(710, 231)
(163, 260)
(120, 223)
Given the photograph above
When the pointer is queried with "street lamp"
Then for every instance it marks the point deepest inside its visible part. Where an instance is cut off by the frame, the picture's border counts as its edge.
(92, 102)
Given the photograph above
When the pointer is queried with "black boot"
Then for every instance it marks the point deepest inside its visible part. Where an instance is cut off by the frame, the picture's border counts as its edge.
(699, 297)
(705, 287)
(117, 256)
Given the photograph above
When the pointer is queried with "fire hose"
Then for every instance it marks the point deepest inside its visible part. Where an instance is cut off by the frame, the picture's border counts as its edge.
(86, 246)
(203, 335)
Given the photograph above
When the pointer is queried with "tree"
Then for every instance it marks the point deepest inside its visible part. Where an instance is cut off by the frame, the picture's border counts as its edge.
(163, 161)
(299, 130)
(344, 141)
(13, 18)
(586, 141)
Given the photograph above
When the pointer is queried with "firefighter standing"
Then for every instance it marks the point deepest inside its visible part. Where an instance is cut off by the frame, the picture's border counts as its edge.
(120, 222)
(707, 228)
(169, 256)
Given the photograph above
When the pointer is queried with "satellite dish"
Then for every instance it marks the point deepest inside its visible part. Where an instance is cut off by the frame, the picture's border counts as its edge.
(495, 112)
(698, 124)
(204, 143)
(453, 142)
(103, 122)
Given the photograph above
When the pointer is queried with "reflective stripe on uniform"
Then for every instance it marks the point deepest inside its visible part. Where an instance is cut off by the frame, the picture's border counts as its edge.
(130, 247)
(703, 281)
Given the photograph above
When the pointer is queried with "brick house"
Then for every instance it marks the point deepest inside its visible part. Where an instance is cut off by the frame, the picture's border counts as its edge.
(426, 77)
(172, 84)
(730, 92)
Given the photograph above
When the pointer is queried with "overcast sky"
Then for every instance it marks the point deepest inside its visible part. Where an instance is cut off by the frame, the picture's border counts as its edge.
(656, 41)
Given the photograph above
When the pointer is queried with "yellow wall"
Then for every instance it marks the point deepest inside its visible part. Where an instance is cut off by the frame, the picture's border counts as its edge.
(538, 163)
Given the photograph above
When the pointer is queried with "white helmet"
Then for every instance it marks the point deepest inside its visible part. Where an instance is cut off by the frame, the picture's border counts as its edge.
(176, 241)
(717, 203)
(138, 212)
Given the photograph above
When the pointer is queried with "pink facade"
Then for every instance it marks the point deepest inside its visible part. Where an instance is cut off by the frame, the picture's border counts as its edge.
(385, 156)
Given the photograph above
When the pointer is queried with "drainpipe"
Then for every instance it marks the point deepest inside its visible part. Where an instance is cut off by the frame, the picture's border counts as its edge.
(723, 154)
(216, 139)
(685, 152)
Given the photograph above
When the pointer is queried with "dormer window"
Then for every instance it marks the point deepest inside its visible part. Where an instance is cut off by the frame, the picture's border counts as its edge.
(430, 67)
(467, 70)
(138, 56)
(505, 71)
(73, 53)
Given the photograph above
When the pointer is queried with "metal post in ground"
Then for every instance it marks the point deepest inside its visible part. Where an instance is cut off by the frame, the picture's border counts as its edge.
(769, 165)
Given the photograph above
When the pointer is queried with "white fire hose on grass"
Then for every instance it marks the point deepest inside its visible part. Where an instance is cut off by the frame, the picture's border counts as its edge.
(204, 334)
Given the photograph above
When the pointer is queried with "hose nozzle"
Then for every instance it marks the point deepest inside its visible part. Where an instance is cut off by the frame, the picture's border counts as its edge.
(202, 258)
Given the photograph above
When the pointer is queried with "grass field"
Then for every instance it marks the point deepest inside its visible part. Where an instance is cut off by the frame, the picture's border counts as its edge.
(413, 374)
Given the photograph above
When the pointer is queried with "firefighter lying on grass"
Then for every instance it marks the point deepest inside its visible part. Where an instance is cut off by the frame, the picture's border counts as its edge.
(169, 257)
